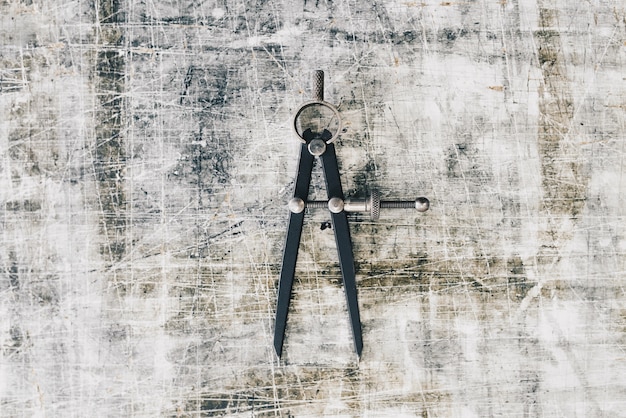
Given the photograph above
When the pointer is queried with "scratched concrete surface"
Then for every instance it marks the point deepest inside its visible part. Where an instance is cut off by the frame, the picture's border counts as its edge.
(146, 162)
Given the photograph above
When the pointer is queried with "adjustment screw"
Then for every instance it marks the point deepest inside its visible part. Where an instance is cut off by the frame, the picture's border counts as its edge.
(317, 147)
(373, 205)
(335, 205)
(296, 205)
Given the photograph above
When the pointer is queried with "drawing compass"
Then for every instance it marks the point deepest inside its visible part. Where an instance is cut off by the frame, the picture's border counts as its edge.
(317, 125)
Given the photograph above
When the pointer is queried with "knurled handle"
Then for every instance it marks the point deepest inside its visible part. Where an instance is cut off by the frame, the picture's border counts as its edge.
(318, 86)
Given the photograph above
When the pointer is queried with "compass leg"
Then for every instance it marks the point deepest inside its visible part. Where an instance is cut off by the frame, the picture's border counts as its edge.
(346, 260)
(287, 273)
(344, 244)
(290, 254)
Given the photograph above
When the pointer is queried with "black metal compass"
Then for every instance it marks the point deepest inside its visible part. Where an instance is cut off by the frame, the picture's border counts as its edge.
(317, 124)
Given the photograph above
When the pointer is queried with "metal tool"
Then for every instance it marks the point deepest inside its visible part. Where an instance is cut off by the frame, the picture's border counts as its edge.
(317, 125)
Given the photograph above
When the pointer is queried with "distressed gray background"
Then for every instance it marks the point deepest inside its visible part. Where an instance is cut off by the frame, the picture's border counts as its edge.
(146, 162)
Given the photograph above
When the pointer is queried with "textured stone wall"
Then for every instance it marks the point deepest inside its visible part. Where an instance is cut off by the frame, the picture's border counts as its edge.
(146, 158)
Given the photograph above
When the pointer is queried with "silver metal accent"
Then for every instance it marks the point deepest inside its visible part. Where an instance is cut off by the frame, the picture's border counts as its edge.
(318, 86)
(374, 203)
(355, 205)
(317, 118)
(317, 204)
(317, 147)
(296, 205)
(371, 205)
(422, 204)
(335, 205)
(329, 113)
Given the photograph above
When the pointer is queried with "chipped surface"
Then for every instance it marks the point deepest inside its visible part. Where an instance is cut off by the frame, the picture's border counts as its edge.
(146, 162)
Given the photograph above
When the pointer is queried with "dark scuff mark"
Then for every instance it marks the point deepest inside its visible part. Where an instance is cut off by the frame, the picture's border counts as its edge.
(563, 180)
(111, 11)
(17, 343)
(405, 37)
(448, 36)
(517, 281)
(386, 275)
(231, 229)
(117, 332)
(207, 158)
(110, 153)
(261, 392)
(14, 277)
(26, 205)
(45, 292)
(465, 162)
(383, 18)
(205, 162)
(16, 336)
(453, 158)
(207, 87)
(364, 179)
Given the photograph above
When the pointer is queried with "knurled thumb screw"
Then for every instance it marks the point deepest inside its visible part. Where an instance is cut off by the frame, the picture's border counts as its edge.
(372, 204)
